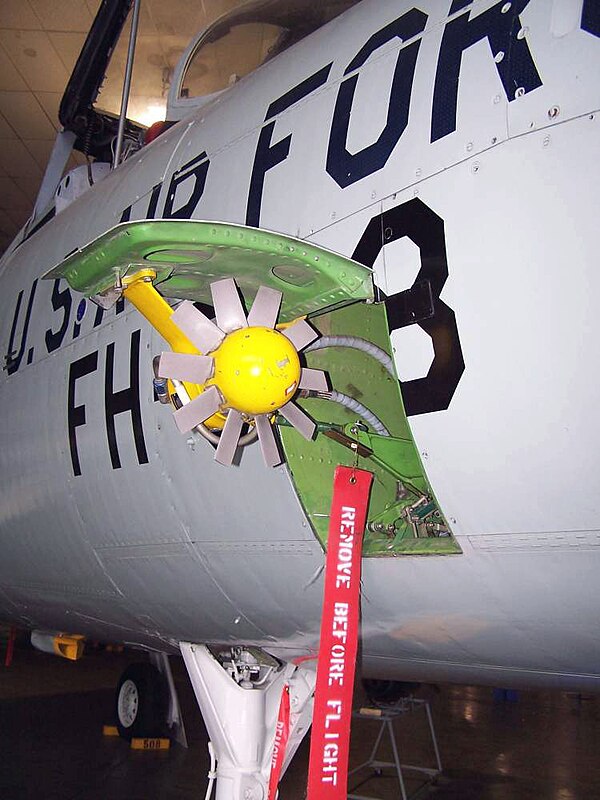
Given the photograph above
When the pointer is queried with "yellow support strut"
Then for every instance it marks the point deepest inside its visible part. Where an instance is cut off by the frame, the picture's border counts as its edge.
(139, 290)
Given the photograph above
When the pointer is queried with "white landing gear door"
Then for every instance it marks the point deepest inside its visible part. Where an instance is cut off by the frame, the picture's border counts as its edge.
(239, 694)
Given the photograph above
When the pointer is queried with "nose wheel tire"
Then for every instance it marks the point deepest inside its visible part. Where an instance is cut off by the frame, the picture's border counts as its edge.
(141, 702)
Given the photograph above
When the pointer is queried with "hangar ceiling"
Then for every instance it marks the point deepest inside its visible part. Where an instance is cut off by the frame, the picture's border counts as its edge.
(40, 41)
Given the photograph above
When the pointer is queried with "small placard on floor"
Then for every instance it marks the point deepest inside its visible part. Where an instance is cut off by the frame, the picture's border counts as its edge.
(367, 711)
(110, 730)
(150, 744)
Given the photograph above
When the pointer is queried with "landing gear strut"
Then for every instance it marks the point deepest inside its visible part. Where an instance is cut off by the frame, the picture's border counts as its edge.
(239, 691)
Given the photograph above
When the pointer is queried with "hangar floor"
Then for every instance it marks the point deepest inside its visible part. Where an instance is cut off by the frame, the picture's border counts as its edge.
(541, 747)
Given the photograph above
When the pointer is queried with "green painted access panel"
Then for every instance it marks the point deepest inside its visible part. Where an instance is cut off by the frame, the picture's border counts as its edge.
(188, 255)
(403, 516)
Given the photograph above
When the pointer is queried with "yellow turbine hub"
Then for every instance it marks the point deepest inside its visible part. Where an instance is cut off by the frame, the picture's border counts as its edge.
(257, 370)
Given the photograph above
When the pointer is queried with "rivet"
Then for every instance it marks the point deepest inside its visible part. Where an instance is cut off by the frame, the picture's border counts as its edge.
(499, 56)
(522, 33)
(520, 92)
(505, 8)
(553, 112)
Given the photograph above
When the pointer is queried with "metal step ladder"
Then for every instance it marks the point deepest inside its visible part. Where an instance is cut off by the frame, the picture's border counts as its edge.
(386, 718)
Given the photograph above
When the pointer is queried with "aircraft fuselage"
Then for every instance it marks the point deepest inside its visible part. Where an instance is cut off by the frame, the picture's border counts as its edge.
(454, 145)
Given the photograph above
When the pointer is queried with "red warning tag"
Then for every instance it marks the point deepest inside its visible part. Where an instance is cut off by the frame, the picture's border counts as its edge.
(330, 737)
(282, 732)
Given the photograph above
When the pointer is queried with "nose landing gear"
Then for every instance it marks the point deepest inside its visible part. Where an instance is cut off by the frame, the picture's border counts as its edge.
(239, 692)
(141, 702)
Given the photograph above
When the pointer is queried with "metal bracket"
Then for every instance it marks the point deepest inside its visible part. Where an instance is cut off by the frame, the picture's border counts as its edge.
(397, 456)
(413, 305)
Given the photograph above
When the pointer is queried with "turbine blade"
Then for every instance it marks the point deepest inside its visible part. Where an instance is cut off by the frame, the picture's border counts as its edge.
(301, 421)
(185, 367)
(230, 436)
(267, 441)
(300, 334)
(313, 379)
(265, 307)
(228, 306)
(199, 409)
(203, 333)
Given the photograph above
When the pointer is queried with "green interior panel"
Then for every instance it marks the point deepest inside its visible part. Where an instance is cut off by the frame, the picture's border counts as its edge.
(189, 255)
(403, 516)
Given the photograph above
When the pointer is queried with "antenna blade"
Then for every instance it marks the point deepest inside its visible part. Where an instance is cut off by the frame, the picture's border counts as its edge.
(300, 334)
(265, 307)
(185, 367)
(301, 421)
(230, 436)
(313, 379)
(228, 306)
(199, 409)
(267, 441)
(203, 333)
